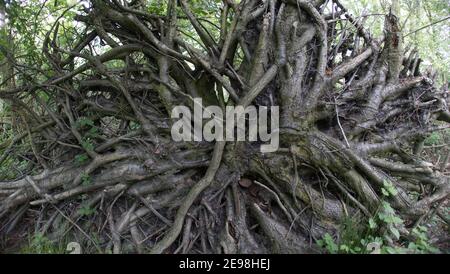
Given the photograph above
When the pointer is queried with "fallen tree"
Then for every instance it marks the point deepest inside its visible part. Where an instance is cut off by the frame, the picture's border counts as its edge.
(355, 111)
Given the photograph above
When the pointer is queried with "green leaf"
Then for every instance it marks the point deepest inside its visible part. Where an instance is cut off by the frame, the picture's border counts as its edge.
(391, 250)
(344, 248)
(320, 243)
(372, 223)
(390, 188)
(387, 208)
(81, 158)
(87, 145)
(394, 232)
(83, 121)
(422, 228)
(93, 132)
(396, 220)
(86, 179)
(330, 245)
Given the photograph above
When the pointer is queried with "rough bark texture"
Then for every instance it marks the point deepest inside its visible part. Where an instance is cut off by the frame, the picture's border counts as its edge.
(354, 111)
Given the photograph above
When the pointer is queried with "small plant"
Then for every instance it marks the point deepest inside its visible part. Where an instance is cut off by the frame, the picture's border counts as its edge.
(134, 126)
(435, 138)
(39, 244)
(421, 245)
(85, 179)
(328, 243)
(81, 159)
(382, 231)
(388, 189)
(86, 211)
(91, 134)
(87, 144)
(83, 122)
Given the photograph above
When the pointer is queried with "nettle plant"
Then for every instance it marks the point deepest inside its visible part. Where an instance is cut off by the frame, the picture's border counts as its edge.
(383, 233)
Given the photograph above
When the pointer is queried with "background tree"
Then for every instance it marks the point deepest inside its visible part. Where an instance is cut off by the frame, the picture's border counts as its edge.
(425, 27)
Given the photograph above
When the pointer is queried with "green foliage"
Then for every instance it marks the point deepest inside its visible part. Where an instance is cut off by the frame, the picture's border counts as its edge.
(388, 189)
(431, 42)
(328, 243)
(373, 236)
(27, 22)
(91, 132)
(437, 138)
(81, 159)
(421, 244)
(39, 244)
(134, 125)
(84, 122)
(86, 210)
(87, 144)
(381, 230)
(86, 179)
(12, 167)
